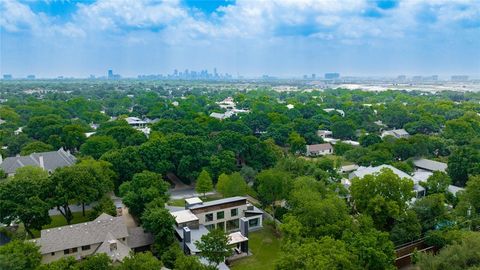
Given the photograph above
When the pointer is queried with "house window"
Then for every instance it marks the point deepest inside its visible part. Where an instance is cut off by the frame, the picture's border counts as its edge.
(66, 251)
(234, 212)
(87, 247)
(210, 227)
(220, 215)
(74, 250)
(232, 225)
(253, 222)
(53, 253)
(208, 217)
(221, 226)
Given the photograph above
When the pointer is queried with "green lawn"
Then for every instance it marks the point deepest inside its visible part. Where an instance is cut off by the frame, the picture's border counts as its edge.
(59, 220)
(265, 247)
(181, 202)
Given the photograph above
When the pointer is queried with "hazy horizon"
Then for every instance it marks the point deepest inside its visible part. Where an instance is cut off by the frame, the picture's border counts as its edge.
(248, 38)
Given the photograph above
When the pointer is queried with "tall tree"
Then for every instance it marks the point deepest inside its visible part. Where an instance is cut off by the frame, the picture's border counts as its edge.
(204, 183)
(160, 223)
(143, 189)
(383, 196)
(214, 246)
(273, 186)
(24, 197)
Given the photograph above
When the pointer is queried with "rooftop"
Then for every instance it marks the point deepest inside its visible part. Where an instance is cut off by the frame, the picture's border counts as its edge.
(184, 216)
(48, 161)
(430, 165)
(218, 202)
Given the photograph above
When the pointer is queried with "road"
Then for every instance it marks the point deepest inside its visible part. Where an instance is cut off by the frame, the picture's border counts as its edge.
(176, 194)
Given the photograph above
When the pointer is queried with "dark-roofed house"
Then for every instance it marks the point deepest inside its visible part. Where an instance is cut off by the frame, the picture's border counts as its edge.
(319, 149)
(49, 161)
(397, 133)
(106, 234)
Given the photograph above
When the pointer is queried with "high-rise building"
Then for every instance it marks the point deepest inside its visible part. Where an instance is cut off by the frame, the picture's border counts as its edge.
(7, 76)
(332, 76)
(110, 74)
(31, 77)
(314, 75)
(401, 77)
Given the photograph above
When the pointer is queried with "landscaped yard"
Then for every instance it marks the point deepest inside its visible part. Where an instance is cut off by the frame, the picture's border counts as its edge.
(265, 247)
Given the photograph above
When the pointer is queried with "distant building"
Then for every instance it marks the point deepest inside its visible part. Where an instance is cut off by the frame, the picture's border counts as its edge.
(332, 76)
(31, 77)
(459, 78)
(48, 161)
(7, 76)
(319, 149)
(106, 234)
(397, 133)
(324, 133)
(341, 112)
(110, 74)
(402, 78)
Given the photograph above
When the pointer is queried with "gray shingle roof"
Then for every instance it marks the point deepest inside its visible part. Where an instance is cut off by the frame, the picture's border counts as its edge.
(430, 165)
(137, 237)
(93, 232)
(48, 161)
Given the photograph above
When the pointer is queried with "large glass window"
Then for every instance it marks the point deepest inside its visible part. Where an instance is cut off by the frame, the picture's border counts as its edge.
(220, 215)
(210, 227)
(234, 212)
(221, 226)
(253, 222)
(232, 225)
(208, 217)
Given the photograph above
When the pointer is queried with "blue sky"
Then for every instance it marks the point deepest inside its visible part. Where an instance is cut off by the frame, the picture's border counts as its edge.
(287, 38)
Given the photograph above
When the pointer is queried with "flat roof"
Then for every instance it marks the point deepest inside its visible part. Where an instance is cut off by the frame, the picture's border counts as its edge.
(183, 216)
(218, 202)
(236, 237)
(193, 200)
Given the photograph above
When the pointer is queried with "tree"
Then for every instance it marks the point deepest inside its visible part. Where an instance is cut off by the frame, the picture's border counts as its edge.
(462, 254)
(272, 186)
(461, 163)
(160, 223)
(23, 197)
(407, 228)
(126, 162)
(383, 196)
(438, 182)
(248, 173)
(188, 263)
(143, 189)
(20, 255)
(214, 246)
(231, 185)
(469, 200)
(104, 205)
(297, 143)
(96, 146)
(325, 253)
(204, 183)
(430, 210)
(73, 136)
(99, 261)
(370, 139)
(343, 129)
(35, 147)
(140, 261)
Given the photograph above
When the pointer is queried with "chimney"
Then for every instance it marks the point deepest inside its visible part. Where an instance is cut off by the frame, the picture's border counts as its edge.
(244, 231)
(187, 238)
(42, 165)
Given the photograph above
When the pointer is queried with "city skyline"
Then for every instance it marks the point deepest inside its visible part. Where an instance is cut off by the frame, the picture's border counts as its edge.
(247, 38)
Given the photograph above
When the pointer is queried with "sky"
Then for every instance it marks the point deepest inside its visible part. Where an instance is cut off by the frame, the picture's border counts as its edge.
(284, 38)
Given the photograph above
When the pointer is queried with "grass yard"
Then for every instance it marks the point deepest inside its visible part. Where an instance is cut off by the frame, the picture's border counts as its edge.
(265, 247)
(181, 202)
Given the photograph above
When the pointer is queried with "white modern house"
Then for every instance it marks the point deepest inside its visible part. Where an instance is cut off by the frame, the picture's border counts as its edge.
(235, 215)
(319, 149)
